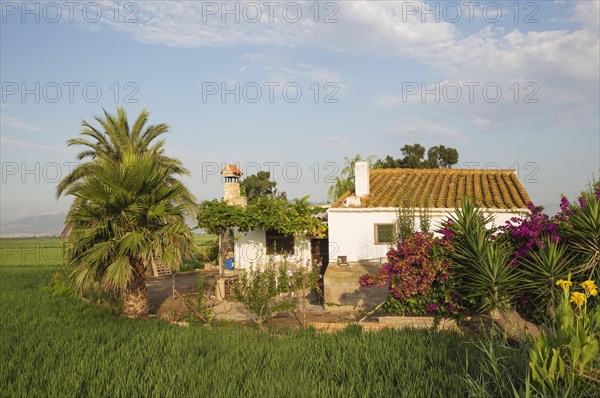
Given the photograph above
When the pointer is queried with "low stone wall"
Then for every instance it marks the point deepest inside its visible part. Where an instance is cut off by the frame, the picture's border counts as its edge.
(342, 290)
(391, 322)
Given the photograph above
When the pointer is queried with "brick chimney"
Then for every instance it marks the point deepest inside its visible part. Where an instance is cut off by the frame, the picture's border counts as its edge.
(232, 193)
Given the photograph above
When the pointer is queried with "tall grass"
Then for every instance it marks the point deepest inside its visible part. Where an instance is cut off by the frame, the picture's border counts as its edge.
(57, 346)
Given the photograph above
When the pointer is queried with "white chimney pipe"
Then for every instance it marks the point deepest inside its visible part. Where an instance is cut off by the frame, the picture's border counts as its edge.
(361, 179)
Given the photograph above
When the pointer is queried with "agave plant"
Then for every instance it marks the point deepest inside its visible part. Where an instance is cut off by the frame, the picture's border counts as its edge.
(482, 264)
(485, 272)
(540, 270)
(582, 232)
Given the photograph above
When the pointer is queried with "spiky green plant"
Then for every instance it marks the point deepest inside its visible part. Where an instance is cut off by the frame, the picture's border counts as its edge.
(541, 269)
(482, 264)
(582, 232)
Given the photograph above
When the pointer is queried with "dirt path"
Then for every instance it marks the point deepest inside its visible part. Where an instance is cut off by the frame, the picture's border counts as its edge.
(160, 296)
(160, 289)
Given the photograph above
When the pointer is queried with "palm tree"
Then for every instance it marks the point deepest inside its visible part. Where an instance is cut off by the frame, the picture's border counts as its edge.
(128, 213)
(116, 139)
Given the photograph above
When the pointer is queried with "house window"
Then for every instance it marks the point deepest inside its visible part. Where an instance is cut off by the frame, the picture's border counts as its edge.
(278, 243)
(385, 234)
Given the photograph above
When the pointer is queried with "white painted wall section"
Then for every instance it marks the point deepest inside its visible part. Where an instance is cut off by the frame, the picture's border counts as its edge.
(250, 250)
(352, 231)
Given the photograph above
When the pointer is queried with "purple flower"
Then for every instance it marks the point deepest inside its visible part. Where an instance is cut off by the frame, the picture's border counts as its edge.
(455, 297)
(432, 307)
(451, 307)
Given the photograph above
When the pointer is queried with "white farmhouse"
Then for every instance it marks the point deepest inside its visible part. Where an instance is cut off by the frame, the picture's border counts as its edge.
(362, 223)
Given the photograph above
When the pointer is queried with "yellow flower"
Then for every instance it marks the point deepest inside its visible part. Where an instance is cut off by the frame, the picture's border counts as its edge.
(564, 284)
(589, 287)
(577, 298)
(593, 292)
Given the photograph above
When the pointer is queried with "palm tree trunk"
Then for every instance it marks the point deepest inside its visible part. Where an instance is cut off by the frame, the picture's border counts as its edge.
(136, 297)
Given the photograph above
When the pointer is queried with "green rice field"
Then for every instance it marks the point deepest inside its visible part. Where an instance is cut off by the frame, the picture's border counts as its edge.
(59, 346)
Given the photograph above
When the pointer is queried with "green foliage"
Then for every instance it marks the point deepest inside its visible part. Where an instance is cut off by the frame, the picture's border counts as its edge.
(414, 158)
(541, 269)
(424, 219)
(345, 182)
(60, 285)
(255, 186)
(218, 217)
(192, 264)
(499, 372)
(405, 223)
(267, 213)
(259, 290)
(482, 264)
(39, 357)
(582, 233)
(441, 157)
(209, 251)
(125, 217)
(129, 208)
(419, 278)
(202, 309)
(561, 360)
(271, 289)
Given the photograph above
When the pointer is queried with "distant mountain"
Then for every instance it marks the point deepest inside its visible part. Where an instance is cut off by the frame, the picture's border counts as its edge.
(44, 225)
(48, 225)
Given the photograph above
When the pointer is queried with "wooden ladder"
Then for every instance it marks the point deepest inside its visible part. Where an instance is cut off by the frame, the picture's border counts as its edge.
(160, 269)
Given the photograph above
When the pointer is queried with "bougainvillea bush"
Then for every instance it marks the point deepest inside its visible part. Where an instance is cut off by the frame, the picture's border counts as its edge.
(419, 277)
(574, 223)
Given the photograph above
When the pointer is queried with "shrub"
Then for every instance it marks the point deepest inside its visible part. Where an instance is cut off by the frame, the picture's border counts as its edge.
(419, 277)
(529, 233)
(209, 252)
(269, 291)
(194, 263)
(60, 285)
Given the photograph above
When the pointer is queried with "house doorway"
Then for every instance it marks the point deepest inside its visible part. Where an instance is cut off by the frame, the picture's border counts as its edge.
(319, 251)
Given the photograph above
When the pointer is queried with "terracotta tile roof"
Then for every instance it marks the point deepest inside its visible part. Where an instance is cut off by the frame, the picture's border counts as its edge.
(231, 168)
(442, 188)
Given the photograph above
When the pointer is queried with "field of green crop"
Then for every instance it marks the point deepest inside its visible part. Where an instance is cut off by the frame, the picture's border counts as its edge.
(60, 346)
(31, 251)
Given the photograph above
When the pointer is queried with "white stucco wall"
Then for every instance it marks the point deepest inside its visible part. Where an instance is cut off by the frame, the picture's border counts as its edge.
(352, 231)
(250, 250)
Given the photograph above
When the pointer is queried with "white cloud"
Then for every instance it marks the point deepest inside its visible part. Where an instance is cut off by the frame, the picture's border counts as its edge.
(388, 102)
(16, 123)
(9, 142)
(480, 122)
(282, 68)
(563, 62)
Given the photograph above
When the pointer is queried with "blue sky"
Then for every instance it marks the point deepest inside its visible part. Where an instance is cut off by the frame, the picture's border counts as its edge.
(393, 75)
